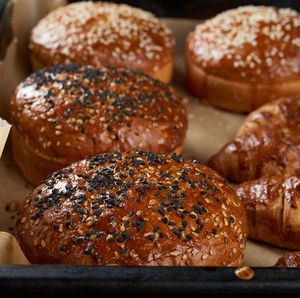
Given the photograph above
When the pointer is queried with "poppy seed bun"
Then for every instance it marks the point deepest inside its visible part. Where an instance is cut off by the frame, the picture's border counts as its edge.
(245, 57)
(133, 208)
(64, 113)
(104, 34)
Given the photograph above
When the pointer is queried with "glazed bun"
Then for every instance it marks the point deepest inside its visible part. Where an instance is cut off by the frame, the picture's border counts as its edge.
(133, 208)
(64, 113)
(245, 57)
(104, 34)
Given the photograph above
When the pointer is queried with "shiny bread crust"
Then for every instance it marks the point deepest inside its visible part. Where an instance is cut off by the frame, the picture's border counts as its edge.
(67, 112)
(245, 57)
(104, 34)
(134, 208)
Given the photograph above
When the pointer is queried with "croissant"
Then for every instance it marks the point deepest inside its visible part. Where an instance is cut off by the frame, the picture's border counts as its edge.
(267, 144)
(290, 259)
(272, 206)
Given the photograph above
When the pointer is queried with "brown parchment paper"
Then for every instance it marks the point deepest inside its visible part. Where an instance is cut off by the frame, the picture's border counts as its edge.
(209, 128)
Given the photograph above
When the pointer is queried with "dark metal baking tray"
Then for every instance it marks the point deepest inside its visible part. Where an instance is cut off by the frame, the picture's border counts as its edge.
(35, 280)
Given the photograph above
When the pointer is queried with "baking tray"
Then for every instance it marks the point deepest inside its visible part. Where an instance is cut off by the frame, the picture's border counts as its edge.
(35, 280)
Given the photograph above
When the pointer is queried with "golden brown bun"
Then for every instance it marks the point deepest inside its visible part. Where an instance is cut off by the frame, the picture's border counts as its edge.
(266, 144)
(104, 34)
(133, 208)
(272, 207)
(64, 113)
(290, 259)
(245, 57)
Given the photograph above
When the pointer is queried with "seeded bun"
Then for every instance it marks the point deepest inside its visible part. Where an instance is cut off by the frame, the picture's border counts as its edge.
(290, 259)
(133, 208)
(104, 34)
(245, 57)
(64, 113)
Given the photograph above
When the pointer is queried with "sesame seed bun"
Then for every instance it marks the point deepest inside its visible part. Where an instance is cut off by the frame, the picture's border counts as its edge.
(104, 34)
(133, 208)
(64, 113)
(245, 57)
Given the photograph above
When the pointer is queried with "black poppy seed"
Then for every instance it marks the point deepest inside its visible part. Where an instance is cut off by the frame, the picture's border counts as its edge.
(161, 211)
(165, 220)
(162, 235)
(157, 193)
(172, 223)
(126, 235)
(231, 219)
(181, 215)
(125, 250)
(151, 237)
(184, 224)
(200, 228)
(121, 240)
(97, 212)
(169, 209)
(112, 218)
(63, 247)
(192, 216)
(189, 237)
(56, 226)
(178, 234)
(131, 214)
(156, 229)
(183, 195)
(214, 231)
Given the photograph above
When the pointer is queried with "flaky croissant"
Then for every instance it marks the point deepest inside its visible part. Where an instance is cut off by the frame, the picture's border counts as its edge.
(268, 143)
(272, 206)
(290, 259)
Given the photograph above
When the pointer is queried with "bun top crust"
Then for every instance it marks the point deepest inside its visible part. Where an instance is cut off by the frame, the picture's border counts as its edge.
(133, 208)
(70, 111)
(255, 43)
(103, 34)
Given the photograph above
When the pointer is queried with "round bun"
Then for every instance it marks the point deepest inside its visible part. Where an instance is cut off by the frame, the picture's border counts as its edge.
(133, 208)
(66, 112)
(245, 57)
(104, 34)
(290, 259)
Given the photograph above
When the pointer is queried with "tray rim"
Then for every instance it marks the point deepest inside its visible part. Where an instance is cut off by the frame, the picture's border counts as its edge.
(116, 280)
